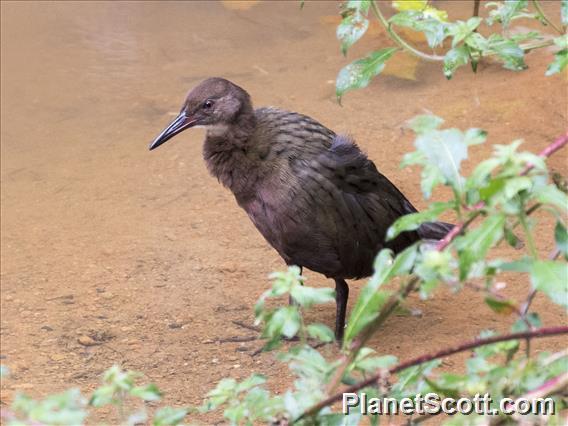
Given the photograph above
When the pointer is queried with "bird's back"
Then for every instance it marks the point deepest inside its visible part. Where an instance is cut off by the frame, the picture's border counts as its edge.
(321, 203)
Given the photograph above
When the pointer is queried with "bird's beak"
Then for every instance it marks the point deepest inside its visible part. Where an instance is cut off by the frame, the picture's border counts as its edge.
(181, 123)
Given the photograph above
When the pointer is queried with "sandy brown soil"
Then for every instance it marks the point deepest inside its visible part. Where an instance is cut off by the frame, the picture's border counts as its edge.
(147, 254)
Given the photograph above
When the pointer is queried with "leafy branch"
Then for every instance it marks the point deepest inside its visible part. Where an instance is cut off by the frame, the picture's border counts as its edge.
(377, 378)
(468, 44)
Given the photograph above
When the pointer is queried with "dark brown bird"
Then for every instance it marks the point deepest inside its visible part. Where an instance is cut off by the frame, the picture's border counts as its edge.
(313, 195)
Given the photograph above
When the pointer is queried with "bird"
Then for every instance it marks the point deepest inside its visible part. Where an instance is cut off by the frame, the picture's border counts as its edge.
(316, 198)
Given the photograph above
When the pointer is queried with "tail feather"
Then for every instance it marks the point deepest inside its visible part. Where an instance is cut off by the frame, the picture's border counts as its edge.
(434, 230)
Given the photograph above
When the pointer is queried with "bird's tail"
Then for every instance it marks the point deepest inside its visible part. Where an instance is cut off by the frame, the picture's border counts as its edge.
(434, 230)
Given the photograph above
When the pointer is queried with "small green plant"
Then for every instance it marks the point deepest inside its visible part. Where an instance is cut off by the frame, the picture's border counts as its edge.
(466, 45)
(72, 408)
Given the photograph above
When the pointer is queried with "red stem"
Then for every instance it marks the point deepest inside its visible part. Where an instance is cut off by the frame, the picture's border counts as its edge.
(542, 332)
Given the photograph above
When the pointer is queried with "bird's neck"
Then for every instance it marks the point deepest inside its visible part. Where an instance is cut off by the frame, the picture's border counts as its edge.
(226, 151)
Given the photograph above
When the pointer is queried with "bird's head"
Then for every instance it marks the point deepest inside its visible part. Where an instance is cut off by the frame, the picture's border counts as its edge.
(215, 103)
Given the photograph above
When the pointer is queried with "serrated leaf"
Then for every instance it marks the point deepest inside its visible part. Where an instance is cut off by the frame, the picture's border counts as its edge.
(455, 58)
(551, 278)
(359, 74)
(445, 150)
(474, 245)
(459, 30)
(429, 179)
(509, 52)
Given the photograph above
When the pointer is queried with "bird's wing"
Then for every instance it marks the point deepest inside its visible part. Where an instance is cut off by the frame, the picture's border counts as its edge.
(359, 201)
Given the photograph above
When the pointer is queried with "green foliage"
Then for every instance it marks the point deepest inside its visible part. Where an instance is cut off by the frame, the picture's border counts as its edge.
(359, 74)
(72, 408)
(468, 44)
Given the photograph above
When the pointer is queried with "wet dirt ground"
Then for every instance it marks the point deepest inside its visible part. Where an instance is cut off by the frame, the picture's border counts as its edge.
(111, 254)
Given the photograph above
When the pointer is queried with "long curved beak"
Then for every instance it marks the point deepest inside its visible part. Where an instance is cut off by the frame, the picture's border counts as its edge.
(181, 123)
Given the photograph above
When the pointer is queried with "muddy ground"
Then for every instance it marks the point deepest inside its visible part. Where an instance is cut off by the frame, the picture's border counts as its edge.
(145, 253)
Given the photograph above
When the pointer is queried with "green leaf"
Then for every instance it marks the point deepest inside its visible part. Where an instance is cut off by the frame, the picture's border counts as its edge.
(522, 265)
(551, 278)
(147, 393)
(422, 21)
(371, 364)
(167, 416)
(507, 11)
(455, 58)
(559, 63)
(424, 123)
(251, 382)
(550, 194)
(308, 296)
(459, 30)
(501, 306)
(564, 12)
(412, 221)
(444, 149)
(370, 300)
(508, 51)
(430, 178)
(283, 321)
(404, 261)
(320, 332)
(359, 74)
(351, 29)
(474, 245)
(102, 396)
(532, 318)
(561, 238)
(478, 178)
(475, 136)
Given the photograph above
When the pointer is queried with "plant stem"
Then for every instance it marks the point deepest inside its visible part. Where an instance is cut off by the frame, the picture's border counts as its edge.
(532, 334)
(541, 13)
(399, 40)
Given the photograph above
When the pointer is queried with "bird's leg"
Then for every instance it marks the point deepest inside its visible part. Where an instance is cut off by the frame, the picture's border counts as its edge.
(291, 300)
(341, 296)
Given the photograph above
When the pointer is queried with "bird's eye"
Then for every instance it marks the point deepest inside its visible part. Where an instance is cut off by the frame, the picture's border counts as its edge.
(207, 104)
